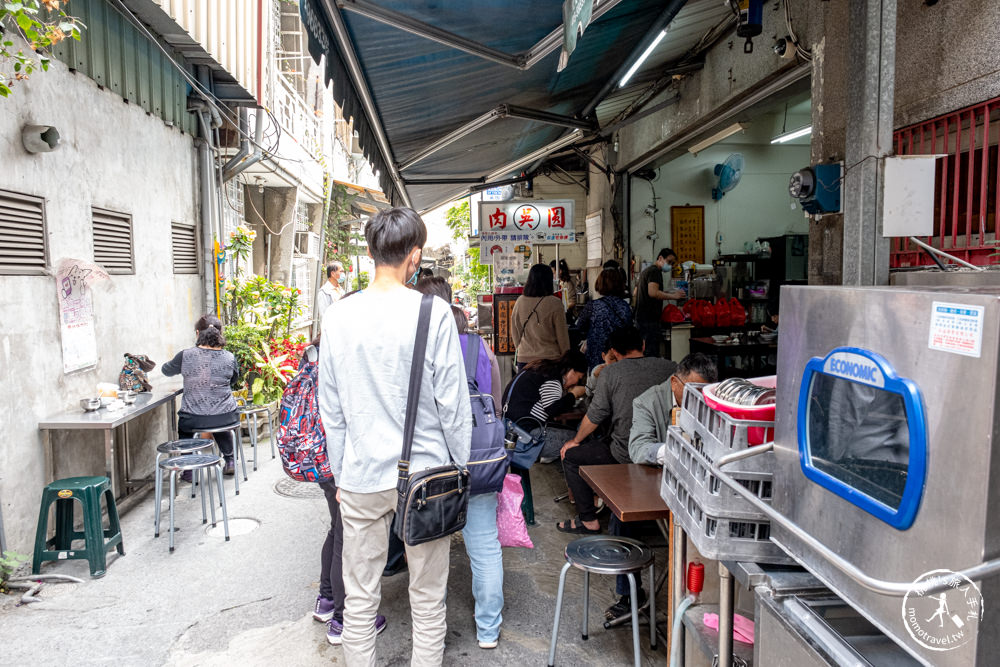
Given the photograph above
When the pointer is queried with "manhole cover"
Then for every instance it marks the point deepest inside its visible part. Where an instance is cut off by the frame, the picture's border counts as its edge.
(237, 526)
(291, 489)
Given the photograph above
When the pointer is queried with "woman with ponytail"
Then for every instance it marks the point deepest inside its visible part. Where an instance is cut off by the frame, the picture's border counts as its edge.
(210, 373)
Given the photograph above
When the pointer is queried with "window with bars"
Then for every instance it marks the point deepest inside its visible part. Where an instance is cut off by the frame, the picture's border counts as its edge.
(23, 246)
(184, 243)
(113, 241)
(301, 279)
(966, 192)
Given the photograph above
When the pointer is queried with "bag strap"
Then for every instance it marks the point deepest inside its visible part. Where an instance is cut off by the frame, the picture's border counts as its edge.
(413, 393)
(471, 358)
(510, 392)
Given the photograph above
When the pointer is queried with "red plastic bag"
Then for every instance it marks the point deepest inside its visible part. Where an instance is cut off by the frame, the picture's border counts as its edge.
(672, 314)
(707, 314)
(511, 528)
(722, 314)
(737, 314)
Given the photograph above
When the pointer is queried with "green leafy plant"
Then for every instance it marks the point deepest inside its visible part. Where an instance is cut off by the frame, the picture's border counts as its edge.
(41, 24)
(361, 281)
(240, 244)
(9, 562)
(470, 275)
(272, 376)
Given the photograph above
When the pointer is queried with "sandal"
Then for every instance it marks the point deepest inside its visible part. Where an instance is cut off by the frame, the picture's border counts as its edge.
(576, 527)
(624, 606)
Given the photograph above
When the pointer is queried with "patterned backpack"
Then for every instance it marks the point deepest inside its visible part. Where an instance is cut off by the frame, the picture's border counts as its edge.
(301, 438)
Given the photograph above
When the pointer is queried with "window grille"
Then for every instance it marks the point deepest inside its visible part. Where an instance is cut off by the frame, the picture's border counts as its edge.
(23, 247)
(966, 196)
(184, 243)
(113, 241)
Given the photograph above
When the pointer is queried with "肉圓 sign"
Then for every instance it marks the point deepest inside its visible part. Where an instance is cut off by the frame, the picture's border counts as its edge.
(533, 221)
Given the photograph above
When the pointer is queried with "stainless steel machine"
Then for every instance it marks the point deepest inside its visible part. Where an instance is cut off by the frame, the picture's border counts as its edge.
(887, 474)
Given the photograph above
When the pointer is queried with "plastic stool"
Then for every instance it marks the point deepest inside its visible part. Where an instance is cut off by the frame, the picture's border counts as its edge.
(237, 448)
(608, 555)
(201, 466)
(528, 504)
(88, 491)
(251, 412)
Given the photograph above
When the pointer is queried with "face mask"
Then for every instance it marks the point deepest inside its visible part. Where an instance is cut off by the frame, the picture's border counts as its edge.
(343, 279)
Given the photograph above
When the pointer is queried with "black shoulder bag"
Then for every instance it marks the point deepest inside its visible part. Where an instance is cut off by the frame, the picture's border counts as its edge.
(431, 503)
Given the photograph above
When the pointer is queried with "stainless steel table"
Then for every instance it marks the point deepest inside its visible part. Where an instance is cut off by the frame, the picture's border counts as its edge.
(103, 420)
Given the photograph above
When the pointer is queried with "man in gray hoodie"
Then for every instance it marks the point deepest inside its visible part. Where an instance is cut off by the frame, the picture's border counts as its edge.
(364, 368)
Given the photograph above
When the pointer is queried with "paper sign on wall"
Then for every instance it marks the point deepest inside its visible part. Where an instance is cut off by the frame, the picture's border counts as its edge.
(956, 328)
(76, 312)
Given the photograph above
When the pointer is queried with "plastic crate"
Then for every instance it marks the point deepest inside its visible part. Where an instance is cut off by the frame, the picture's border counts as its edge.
(716, 536)
(692, 465)
(716, 432)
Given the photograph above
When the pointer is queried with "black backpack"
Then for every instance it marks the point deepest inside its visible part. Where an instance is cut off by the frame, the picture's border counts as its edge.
(487, 456)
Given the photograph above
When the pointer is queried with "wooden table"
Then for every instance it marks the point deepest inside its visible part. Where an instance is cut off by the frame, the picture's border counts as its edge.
(632, 492)
(102, 420)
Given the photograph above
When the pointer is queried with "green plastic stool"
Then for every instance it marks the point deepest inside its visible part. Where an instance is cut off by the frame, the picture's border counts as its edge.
(88, 491)
(528, 504)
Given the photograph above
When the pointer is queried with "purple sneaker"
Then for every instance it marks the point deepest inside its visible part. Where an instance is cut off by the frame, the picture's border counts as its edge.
(336, 629)
(324, 609)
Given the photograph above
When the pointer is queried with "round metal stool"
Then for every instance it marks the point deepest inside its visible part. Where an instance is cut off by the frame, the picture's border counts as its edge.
(202, 467)
(252, 412)
(178, 448)
(602, 554)
(237, 448)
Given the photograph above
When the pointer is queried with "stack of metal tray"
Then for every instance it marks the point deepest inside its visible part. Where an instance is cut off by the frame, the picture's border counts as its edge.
(721, 524)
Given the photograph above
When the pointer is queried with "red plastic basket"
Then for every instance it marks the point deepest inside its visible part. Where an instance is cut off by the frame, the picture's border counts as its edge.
(755, 436)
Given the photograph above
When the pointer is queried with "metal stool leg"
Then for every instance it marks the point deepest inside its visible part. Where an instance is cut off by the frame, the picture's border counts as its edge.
(199, 476)
(211, 497)
(555, 622)
(586, 601)
(253, 437)
(652, 608)
(173, 489)
(635, 617)
(158, 496)
(270, 430)
(225, 515)
(243, 458)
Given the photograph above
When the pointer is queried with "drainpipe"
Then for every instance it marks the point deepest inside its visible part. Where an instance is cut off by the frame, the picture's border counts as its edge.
(207, 117)
(244, 159)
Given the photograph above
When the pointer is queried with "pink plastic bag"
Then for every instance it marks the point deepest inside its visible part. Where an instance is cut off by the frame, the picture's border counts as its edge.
(510, 521)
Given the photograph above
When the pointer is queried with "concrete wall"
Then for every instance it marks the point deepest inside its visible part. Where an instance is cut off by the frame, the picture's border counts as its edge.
(758, 206)
(113, 156)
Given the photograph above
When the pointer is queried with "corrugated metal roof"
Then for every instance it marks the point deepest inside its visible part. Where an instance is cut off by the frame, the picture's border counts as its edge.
(422, 90)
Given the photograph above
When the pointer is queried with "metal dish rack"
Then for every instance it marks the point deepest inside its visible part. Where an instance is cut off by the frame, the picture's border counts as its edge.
(721, 524)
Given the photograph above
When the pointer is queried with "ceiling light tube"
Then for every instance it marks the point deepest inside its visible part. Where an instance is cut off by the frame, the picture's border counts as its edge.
(645, 54)
(794, 134)
(717, 137)
(531, 157)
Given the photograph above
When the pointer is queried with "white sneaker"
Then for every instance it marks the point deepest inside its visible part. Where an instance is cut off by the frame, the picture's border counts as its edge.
(492, 644)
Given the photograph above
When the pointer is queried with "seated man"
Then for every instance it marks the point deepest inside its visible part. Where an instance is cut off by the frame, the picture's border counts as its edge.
(617, 387)
(651, 415)
(651, 410)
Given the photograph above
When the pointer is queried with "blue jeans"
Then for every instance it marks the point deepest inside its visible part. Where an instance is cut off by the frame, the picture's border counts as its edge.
(483, 547)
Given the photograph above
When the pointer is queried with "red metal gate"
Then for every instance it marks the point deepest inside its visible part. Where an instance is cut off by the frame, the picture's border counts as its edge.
(967, 196)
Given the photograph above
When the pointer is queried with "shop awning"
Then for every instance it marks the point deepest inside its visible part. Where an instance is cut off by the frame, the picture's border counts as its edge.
(446, 96)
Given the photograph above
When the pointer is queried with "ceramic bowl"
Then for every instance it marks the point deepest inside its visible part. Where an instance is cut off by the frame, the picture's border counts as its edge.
(90, 404)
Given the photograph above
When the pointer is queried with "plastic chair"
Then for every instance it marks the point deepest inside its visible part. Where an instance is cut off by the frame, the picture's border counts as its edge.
(97, 539)
(201, 466)
(608, 555)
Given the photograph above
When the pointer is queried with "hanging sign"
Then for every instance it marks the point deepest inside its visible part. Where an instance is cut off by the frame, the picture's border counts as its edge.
(576, 18)
(76, 312)
(531, 222)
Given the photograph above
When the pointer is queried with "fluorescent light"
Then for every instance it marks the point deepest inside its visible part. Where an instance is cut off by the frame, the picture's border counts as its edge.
(645, 54)
(717, 137)
(794, 134)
